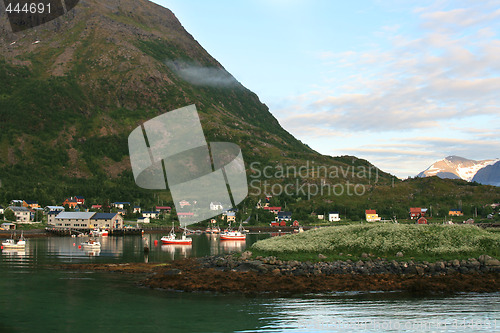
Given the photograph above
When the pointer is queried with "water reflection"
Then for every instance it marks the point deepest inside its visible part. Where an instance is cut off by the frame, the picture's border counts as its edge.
(177, 251)
(65, 247)
(14, 252)
(233, 245)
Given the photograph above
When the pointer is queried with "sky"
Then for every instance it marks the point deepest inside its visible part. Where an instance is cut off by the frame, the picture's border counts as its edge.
(399, 83)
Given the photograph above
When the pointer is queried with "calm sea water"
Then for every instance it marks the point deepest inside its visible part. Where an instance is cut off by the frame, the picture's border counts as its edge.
(36, 298)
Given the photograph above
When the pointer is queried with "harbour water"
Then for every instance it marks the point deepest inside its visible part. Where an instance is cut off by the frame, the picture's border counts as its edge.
(37, 297)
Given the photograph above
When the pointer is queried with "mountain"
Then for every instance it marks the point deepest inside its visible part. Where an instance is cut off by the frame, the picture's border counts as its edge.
(455, 167)
(74, 88)
(489, 175)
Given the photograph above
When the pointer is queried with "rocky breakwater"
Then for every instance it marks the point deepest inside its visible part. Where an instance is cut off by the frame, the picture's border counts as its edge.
(249, 275)
(368, 266)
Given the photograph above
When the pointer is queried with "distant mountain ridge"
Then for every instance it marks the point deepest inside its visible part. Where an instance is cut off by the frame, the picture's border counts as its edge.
(485, 172)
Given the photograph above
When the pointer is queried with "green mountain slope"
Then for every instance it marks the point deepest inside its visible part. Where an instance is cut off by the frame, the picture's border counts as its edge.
(74, 88)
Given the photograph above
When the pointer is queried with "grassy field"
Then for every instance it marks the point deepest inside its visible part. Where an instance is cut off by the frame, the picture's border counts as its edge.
(419, 242)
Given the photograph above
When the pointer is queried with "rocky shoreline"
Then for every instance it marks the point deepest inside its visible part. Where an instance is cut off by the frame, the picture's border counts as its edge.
(251, 276)
(245, 263)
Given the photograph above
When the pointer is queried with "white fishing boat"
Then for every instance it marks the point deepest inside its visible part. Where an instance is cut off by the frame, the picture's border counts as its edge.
(12, 244)
(99, 232)
(172, 239)
(91, 244)
(229, 234)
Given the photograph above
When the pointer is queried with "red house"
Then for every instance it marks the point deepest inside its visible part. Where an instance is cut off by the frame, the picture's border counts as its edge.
(295, 223)
(275, 210)
(283, 223)
(275, 224)
(164, 209)
(422, 220)
(79, 199)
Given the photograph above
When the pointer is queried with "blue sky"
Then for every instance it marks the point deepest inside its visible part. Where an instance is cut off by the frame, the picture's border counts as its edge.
(399, 83)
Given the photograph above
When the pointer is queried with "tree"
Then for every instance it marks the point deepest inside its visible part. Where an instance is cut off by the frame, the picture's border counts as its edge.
(9, 215)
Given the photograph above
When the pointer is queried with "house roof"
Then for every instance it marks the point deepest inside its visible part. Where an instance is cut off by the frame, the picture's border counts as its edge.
(121, 203)
(151, 212)
(285, 214)
(415, 210)
(70, 200)
(185, 214)
(333, 213)
(159, 207)
(29, 202)
(55, 207)
(370, 211)
(272, 208)
(79, 197)
(75, 215)
(228, 214)
(18, 209)
(103, 216)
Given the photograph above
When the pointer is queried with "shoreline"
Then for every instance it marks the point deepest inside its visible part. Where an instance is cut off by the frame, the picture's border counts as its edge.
(227, 274)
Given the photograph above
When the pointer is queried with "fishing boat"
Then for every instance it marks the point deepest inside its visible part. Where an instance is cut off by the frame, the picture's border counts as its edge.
(172, 239)
(229, 234)
(12, 244)
(99, 232)
(91, 244)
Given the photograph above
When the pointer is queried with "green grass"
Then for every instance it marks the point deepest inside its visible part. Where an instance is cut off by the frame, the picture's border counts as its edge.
(419, 242)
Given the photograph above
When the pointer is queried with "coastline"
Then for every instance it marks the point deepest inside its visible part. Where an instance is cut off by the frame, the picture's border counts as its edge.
(228, 274)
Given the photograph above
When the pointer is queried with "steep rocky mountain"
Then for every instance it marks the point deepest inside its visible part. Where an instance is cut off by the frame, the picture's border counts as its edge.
(455, 167)
(489, 175)
(74, 88)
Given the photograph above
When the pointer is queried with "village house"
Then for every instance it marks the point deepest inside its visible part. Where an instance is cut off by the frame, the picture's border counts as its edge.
(72, 220)
(70, 202)
(137, 209)
(30, 204)
(231, 216)
(333, 216)
(51, 217)
(416, 212)
(23, 214)
(455, 212)
(274, 210)
(284, 216)
(371, 215)
(106, 220)
(8, 226)
(16, 202)
(215, 205)
(422, 220)
(85, 220)
(48, 209)
(143, 220)
(80, 200)
(120, 205)
(164, 209)
(184, 203)
(151, 215)
(96, 206)
(1, 210)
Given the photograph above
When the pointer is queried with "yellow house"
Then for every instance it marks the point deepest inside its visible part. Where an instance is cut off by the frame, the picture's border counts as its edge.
(455, 212)
(371, 215)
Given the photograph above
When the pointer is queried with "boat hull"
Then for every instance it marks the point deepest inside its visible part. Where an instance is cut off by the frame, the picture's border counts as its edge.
(177, 242)
(229, 237)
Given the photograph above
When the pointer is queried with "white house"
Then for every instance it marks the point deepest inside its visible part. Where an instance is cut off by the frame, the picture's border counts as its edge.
(121, 205)
(137, 209)
(152, 215)
(23, 214)
(54, 209)
(143, 220)
(215, 205)
(1, 210)
(333, 217)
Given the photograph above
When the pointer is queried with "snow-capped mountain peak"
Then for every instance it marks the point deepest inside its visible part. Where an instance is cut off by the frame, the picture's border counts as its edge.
(456, 167)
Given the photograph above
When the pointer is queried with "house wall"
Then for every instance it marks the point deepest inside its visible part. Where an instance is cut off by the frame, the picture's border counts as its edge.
(334, 217)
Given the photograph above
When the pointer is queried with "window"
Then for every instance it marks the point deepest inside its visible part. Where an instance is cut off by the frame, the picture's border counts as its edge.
(67, 225)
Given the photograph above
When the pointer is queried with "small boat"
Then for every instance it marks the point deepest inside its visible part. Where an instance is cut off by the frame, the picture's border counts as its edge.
(171, 239)
(12, 244)
(229, 234)
(99, 232)
(91, 244)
